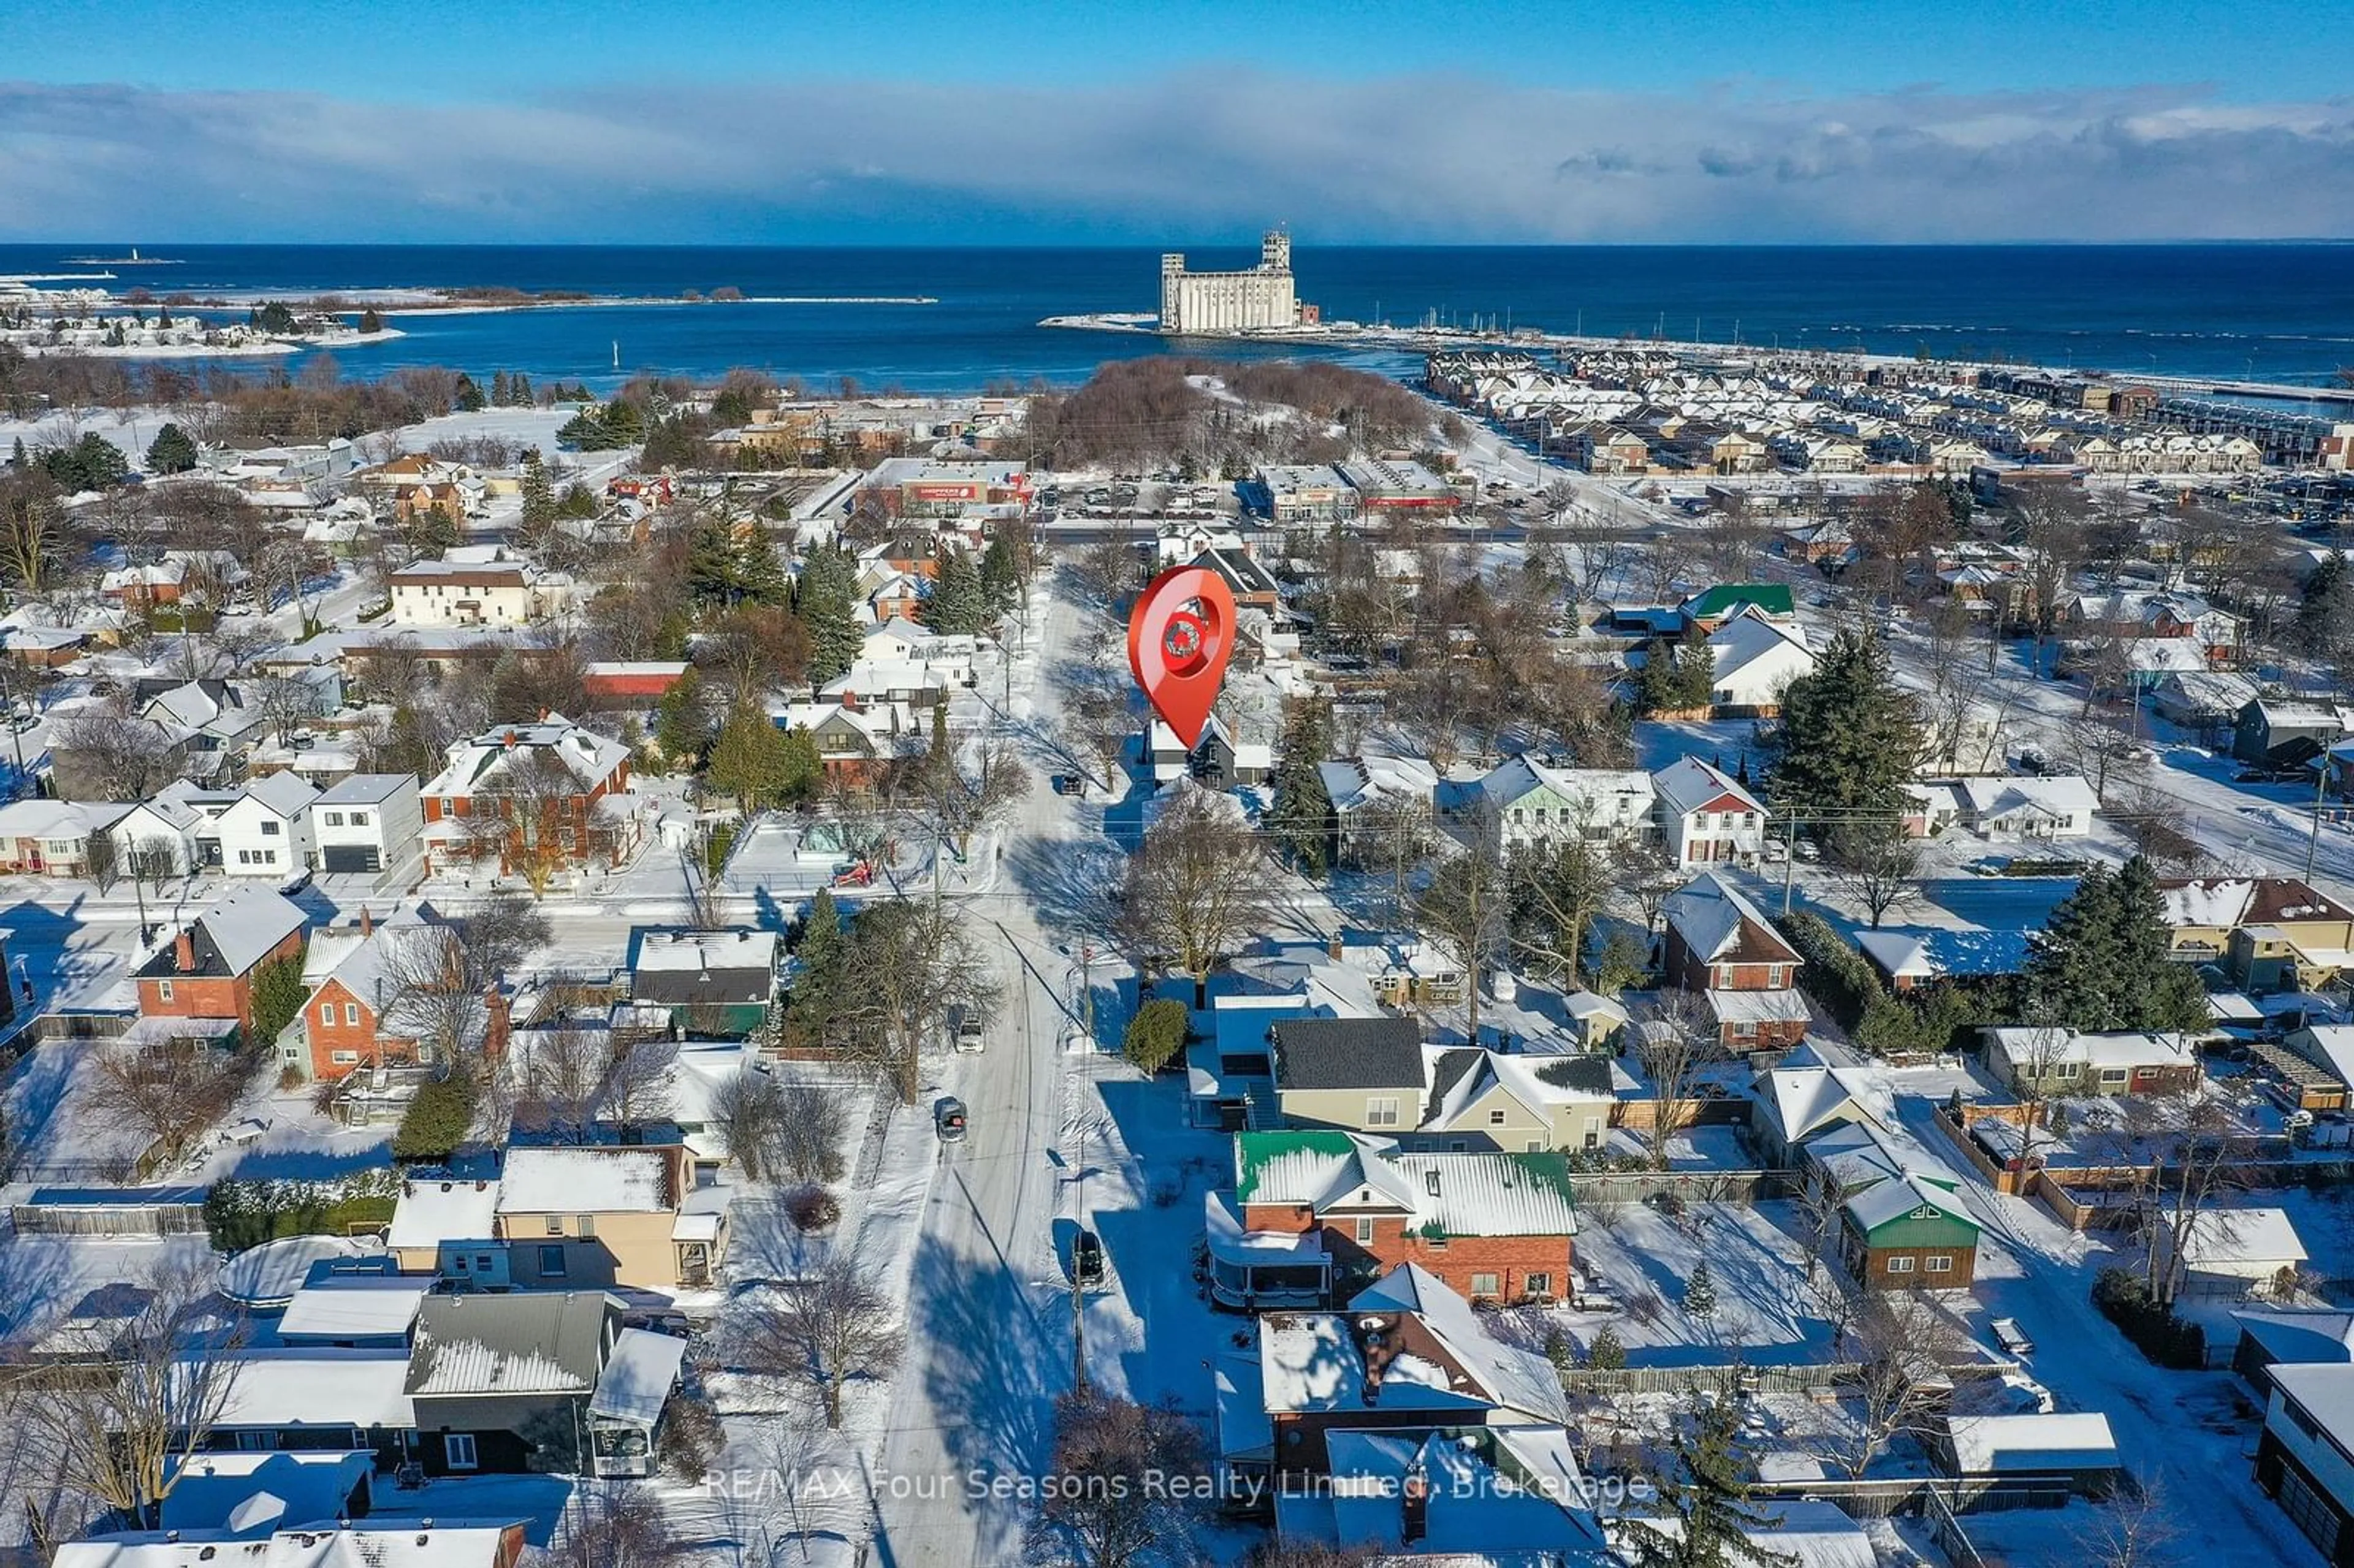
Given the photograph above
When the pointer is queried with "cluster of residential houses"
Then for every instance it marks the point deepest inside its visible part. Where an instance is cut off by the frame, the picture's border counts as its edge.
(1623, 411)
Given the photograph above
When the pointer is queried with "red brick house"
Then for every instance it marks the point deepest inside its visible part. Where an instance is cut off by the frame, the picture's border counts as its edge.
(626, 683)
(1497, 1227)
(1723, 947)
(560, 791)
(354, 977)
(1409, 1354)
(206, 970)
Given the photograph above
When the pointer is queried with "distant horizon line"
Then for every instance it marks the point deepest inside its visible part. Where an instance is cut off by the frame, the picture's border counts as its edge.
(163, 245)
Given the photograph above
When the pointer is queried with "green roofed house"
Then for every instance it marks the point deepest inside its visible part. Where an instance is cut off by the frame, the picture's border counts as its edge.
(1908, 1231)
(1713, 606)
(1498, 1226)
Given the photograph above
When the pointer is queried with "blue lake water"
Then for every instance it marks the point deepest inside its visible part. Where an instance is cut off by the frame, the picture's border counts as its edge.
(2278, 312)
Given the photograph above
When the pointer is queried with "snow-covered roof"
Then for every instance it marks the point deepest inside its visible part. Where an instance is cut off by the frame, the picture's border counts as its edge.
(1690, 784)
(2030, 1045)
(2025, 1444)
(1512, 1376)
(589, 1180)
(1709, 913)
(353, 1306)
(1900, 1195)
(431, 1212)
(690, 951)
(318, 1387)
(639, 1376)
(382, 1541)
(2222, 1237)
(537, 1341)
(1926, 952)
(2060, 795)
(2324, 1391)
(367, 788)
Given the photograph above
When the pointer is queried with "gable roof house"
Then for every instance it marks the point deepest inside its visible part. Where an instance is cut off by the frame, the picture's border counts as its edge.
(2054, 1062)
(502, 1382)
(1408, 1354)
(1908, 1231)
(1756, 658)
(1362, 1073)
(1707, 816)
(1722, 947)
(2234, 1255)
(266, 831)
(206, 971)
(1495, 1226)
(52, 837)
(1496, 1100)
(354, 978)
(1526, 801)
(2304, 1454)
(536, 798)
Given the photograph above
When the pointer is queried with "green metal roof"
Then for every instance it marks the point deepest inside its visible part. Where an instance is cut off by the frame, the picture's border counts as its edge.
(1254, 1151)
(1725, 598)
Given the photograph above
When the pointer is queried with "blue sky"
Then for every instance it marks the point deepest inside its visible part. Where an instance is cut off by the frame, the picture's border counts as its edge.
(921, 121)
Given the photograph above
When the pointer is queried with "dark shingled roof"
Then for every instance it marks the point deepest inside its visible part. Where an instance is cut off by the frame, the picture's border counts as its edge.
(1588, 1075)
(1348, 1053)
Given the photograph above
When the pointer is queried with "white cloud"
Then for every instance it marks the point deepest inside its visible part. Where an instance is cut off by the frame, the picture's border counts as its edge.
(1406, 158)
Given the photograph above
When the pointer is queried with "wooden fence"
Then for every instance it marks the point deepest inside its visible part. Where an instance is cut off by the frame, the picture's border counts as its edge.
(1742, 1187)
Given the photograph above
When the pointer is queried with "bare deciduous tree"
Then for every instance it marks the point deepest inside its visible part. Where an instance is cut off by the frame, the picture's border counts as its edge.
(168, 1091)
(1901, 1342)
(825, 1329)
(613, 1525)
(117, 1432)
(120, 755)
(1877, 864)
(1678, 1038)
(1110, 1449)
(1198, 884)
(1464, 911)
(909, 962)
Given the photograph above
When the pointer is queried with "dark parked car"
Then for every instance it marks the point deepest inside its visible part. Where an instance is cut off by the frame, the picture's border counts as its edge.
(948, 1120)
(1086, 1258)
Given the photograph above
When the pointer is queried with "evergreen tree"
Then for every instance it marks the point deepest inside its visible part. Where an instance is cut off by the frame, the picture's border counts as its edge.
(372, 323)
(749, 760)
(501, 392)
(1606, 1352)
(538, 496)
(714, 566)
(2325, 614)
(730, 408)
(1301, 823)
(468, 396)
(759, 575)
(92, 463)
(1708, 1497)
(171, 451)
(957, 605)
(519, 388)
(821, 962)
(586, 431)
(1848, 738)
(17, 458)
(1677, 677)
(2101, 960)
(1001, 583)
(804, 770)
(1700, 1293)
(680, 727)
(432, 532)
(825, 600)
(624, 422)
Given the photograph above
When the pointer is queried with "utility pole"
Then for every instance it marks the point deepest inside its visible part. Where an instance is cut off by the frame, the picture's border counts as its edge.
(2313, 839)
(1078, 1299)
(1087, 989)
(1790, 857)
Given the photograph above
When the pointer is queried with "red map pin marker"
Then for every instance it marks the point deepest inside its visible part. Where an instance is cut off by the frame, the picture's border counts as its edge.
(1178, 637)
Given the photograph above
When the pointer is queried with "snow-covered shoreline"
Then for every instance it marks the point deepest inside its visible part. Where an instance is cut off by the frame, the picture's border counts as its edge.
(249, 350)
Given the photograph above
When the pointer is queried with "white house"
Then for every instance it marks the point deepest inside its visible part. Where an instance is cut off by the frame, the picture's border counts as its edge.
(2004, 808)
(1756, 658)
(368, 821)
(477, 586)
(1706, 816)
(1528, 801)
(2235, 1254)
(265, 832)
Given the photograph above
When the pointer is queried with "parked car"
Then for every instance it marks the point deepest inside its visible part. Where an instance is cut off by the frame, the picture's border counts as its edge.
(965, 1034)
(1068, 784)
(948, 1120)
(1087, 1259)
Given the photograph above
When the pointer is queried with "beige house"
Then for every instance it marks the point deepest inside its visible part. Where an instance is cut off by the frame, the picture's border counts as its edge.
(600, 1215)
(1483, 1101)
(1362, 1073)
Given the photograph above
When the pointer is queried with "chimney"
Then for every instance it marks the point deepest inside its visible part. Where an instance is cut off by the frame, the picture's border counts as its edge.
(1414, 1506)
(509, 740)
(368, 922)
(1332, 948)
(1430, 1180)
(495, 1032)
(184, 950)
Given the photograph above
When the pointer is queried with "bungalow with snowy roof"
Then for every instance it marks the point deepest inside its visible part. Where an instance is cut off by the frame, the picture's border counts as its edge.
(53, 838)
(1706, 816)
(2136, 613)
(1721, 946)
(284, 1538)
(2057, 806)
(1523, 801)
(2048, 1062)
(602, 1214)
(314, 1398)
(1501, 1494)
(2205, 702)
(1497, 1226)
(2267, 933)
(1911, 956)
(529, 796)
(1409, 1353)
